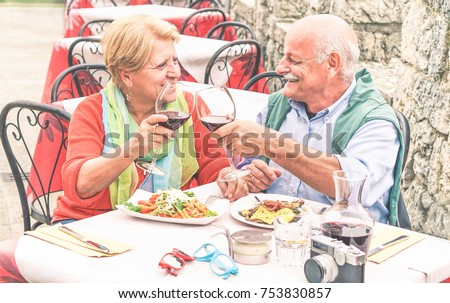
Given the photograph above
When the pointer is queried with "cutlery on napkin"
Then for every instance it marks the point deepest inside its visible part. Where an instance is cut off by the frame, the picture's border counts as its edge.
(387, 235)
(387, 244)
(82, 238)
(54, 235)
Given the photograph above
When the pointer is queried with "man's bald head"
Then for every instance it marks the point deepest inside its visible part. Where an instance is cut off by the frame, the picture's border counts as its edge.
(317, 24)
(327, 33)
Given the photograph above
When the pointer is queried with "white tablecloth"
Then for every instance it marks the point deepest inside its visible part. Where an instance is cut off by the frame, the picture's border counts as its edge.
(40, 261)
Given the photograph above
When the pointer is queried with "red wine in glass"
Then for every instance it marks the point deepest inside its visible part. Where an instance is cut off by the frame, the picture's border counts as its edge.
(175, 119)
(358, 235)
(214, 122)
(176, 116)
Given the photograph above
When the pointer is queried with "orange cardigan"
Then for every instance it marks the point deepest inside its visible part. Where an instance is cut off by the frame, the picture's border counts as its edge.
(86, 140)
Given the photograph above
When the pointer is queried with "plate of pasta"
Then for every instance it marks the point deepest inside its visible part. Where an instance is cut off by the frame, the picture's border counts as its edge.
(172, 206)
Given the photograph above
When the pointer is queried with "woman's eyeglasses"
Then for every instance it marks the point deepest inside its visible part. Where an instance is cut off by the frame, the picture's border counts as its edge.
(174, 261)
(220, 263)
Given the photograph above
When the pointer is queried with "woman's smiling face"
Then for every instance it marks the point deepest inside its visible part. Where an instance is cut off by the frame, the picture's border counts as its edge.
(161, 67)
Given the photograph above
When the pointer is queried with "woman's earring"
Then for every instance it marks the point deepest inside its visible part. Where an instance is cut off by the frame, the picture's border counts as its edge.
(128, 96)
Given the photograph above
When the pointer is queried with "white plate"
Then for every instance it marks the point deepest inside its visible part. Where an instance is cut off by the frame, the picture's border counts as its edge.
(219, 206)
(250, 201)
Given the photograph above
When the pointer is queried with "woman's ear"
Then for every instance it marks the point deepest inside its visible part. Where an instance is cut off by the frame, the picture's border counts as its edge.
(125, 77)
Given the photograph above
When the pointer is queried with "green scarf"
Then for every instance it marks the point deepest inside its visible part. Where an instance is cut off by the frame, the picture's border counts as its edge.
(116, 120)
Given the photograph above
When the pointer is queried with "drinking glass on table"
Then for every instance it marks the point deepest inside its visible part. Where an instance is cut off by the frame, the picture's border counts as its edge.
(177, 116)
(220, 109)
(292, 237)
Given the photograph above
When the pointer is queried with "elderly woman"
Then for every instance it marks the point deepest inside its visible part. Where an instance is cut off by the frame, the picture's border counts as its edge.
(112, 129)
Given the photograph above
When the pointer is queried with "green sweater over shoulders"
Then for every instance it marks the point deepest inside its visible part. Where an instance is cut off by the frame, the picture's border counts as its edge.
(365, 104)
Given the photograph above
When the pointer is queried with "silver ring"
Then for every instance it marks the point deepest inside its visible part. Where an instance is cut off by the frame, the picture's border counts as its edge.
(253, 178)
(154, 128)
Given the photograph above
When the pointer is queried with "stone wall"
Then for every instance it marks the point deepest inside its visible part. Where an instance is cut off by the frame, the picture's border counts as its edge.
(405, 44)
(423, 94)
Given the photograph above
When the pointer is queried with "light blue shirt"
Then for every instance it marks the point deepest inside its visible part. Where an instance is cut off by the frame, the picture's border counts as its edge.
(372, 150)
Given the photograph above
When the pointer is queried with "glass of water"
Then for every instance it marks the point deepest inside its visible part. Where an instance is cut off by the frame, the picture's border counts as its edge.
(292, 237)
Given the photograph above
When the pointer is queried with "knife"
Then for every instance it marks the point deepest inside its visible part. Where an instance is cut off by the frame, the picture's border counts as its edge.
(76, 235)
(387, 244)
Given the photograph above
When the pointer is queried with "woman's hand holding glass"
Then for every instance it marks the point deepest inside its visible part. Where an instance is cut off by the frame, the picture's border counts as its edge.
(176, 117)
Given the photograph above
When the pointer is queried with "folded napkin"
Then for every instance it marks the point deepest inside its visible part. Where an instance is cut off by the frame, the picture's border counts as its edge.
(388, 234)
(53, 235)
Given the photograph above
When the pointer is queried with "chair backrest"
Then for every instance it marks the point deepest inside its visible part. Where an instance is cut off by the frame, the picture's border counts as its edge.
(266, 82)
(230, 31)
(403, 217)
(199, 4)
(94, 27)
(80, 81)
(85, 50)
(177, 3)
(236, 63)
(92, 2)
(200, 22)
(404, 127)
(34, 137)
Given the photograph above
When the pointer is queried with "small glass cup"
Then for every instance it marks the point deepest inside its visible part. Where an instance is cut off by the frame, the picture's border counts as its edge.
(292, 239)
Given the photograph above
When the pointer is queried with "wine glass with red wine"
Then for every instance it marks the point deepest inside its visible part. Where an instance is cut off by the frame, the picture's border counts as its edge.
(215, 108)
(176, 113)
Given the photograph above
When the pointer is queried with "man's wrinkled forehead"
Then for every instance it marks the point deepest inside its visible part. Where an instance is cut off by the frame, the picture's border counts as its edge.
(295, 43)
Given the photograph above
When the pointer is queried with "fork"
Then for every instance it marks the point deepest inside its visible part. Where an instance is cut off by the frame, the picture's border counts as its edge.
(318, 210)
(210, 200)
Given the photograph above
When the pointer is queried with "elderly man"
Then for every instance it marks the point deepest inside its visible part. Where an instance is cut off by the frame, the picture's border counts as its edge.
(327, 117)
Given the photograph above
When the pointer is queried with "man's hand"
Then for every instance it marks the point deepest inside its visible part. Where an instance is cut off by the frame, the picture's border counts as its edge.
(233, 189)
(261, 176)
(244, 138)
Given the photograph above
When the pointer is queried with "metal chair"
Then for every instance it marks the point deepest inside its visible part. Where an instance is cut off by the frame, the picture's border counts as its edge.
(266, 82)
(403, 217)
(79, 81)
(230, 31)
(178, 3)
(237, 61)
(25, 127)
(85, 50)
(199, 4)
(93, 2)
(94, 27)
(200, 22)
(404, 127)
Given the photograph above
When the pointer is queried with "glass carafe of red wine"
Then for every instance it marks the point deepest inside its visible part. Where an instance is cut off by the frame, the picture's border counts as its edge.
(347, 220)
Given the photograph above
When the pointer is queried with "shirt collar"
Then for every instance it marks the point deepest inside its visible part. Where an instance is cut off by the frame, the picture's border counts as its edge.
(300, 107)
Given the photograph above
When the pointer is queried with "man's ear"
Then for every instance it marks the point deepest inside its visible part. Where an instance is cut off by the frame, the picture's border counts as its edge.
(334, 62)
(125, 77)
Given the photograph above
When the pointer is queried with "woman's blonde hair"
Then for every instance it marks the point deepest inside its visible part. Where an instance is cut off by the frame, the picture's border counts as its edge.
(128, 42)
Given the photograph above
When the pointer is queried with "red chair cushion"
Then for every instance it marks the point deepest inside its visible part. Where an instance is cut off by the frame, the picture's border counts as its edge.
(9, 272)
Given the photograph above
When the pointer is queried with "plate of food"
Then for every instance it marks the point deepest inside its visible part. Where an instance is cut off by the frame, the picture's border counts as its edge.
(172, 206)
(262, 213)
